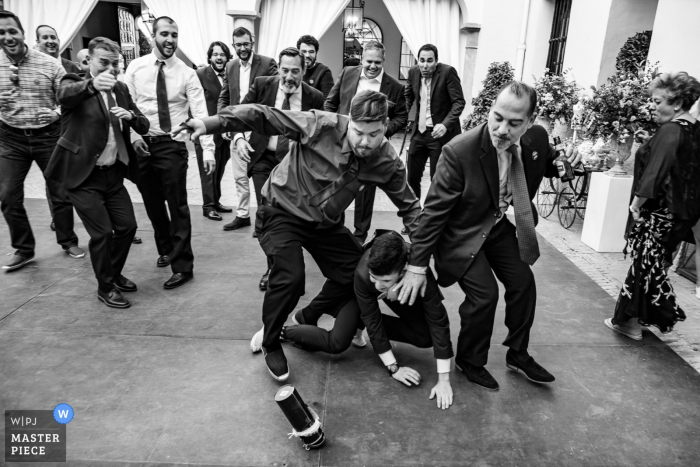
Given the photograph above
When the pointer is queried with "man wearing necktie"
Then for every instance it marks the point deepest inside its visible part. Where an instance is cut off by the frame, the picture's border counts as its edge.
(212, 77)
(481, 173)
(167, 91)
(332, 158)
(93, 156)
(285, 91)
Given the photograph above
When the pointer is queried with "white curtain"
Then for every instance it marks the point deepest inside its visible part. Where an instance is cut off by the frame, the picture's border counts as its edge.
(200, 22)
(282, 22)
(430, 22)
(65, 16)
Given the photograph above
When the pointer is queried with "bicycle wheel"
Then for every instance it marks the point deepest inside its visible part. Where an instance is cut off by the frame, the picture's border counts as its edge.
(581, 189)
(566, 207)
(546, 198)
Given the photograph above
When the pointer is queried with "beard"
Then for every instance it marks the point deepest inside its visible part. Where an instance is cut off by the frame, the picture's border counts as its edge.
(501, 143)
(218, 66)
(290, 85)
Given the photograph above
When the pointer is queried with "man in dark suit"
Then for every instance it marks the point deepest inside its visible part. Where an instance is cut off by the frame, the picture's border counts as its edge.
(212, 78)
(370, 75)
(480, 173)
(317, 74)
(93, 156)
(284, 92)
(48, 42)
(239, 76)
(436, 90)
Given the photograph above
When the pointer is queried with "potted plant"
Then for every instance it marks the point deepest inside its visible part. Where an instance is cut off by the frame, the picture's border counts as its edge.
(557, 95)
(497, 76)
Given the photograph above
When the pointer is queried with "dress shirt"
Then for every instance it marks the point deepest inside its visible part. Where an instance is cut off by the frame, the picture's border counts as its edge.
(244, 77)
(185, 94)
(294, 104)
(39, 79)
(372, 84)
(219, 75)
(322, 156)
(427, 82)
(110, 152)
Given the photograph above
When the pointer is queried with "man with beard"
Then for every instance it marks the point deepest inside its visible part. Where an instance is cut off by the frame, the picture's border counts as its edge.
(166, 90)
(239, 76)
(479, 175)
(317, 74)
(83, 61)
(304, 199)
(212, 78)
(284, 92)
(29, 131)
(352, 80)
(48, 42)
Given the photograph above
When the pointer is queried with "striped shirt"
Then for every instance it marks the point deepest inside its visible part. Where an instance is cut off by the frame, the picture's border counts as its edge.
(39, 79)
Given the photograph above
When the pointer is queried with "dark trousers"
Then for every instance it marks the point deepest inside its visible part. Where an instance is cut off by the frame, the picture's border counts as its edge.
(409, 325)
(500, 254)
(364, 208)
(335, 341)
(17, 151)
(423, 147)
(211, 184)
(282, 237)
(164, 178)
(260, 172)
(107, 213)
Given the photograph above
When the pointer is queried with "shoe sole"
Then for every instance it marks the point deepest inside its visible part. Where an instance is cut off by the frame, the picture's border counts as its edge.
(121, 289)
(113, 306)
(294, 320)
(180, 284)
(280, 378)
(163, 265)
(515, 368)
(474, 382)
(360, 345)
(18, 266)
(76, 256)
(609, 325)
(254, 348)
(235, 228)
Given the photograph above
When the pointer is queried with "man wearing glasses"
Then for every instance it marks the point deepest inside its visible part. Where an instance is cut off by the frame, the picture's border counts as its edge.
(29, 131)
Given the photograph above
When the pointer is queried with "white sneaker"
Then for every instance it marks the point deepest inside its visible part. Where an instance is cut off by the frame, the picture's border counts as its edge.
(624, 330)
(359, 339)
(256, 341)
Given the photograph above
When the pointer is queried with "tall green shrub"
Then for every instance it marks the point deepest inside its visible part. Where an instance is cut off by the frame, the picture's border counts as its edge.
(498, 74)
(633, 54)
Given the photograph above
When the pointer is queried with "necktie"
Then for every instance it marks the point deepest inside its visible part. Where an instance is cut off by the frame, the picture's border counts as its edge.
(114, 121)
(282, 141)
(162, 96)
(349, 175)
(524, 220)
(424, 105)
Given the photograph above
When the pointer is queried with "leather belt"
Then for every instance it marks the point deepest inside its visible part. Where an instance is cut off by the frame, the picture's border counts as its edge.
(157, 139)
(32, 131)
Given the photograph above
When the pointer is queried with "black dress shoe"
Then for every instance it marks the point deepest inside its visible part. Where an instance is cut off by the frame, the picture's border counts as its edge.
(213, 215)
(478, 375)
(18, 261)
(277, 365)
(163, 261)
(53, 226)
(113, 299)
(237, 223)
(255, 234)
(264, 280)
(221, 208)
(178, 279)
(137, 241)
(123, 284)
(404, 231)
(533, 371)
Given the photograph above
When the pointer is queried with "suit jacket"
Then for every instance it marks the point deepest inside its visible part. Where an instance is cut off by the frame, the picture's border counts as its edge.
(446, 98)
(320, 77)
(462, 204)
(264, 91)
(212, 90)
(346, 86)
(231, 90)
(70, 67)
(85, 129)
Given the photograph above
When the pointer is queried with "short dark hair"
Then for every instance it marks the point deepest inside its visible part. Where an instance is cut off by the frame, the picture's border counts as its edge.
(292, 52)
(374, 45)
(679, 86)
(520, 89)
(9, 14)
(241, 31)
(428, 48)
(45, 26)
(388, 254)
(308, 40)
(223, 46)
(369, 106)
(103, 43)
(162, 18)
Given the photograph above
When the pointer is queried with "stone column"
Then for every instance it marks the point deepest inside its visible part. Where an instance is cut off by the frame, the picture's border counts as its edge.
(244, 13)
(472, 32)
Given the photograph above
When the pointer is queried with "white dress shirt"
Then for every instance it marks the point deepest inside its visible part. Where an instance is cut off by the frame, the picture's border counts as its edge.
(425, 107)
(110, 152)
(294, 104)
(244, 77)
(218, 76)
(372, 84)
(185, 94)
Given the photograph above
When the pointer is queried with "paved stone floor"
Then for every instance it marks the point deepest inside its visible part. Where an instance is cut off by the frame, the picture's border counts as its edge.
(171, 381)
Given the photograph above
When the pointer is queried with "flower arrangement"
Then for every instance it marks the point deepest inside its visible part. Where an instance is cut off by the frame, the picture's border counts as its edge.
(633, 54)
(557, 95)
(497, 76)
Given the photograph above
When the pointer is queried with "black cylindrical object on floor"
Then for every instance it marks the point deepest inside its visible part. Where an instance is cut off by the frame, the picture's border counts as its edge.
(301, 417)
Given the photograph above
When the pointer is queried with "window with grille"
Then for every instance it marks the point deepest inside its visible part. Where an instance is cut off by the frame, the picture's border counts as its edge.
(407, 60)
(557, 40)
(355, 39)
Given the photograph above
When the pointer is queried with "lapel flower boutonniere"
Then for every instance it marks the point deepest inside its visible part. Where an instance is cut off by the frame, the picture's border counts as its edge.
(534, 155)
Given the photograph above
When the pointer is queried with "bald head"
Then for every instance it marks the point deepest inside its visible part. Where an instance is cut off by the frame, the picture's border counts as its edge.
(83, 62)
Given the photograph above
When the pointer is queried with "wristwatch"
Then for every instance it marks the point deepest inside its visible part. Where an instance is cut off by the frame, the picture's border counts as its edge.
(633, 210)
(393, 368)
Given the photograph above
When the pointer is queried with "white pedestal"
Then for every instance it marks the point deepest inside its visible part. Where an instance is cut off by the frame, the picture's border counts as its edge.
(606, 212)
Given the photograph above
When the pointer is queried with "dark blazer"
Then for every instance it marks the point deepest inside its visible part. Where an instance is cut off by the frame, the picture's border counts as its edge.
(462, 204)
(212, 89)
(446, 98)
(230, 92)
(346, 86)
(85, 128)
(264, 91)
(320, 77)
(70, 67)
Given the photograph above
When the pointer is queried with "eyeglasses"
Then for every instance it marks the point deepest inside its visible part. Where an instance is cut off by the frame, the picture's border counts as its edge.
(242, 45)
(14, 77)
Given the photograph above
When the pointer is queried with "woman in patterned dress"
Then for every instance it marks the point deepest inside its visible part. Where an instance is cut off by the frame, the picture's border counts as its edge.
(665, 206)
